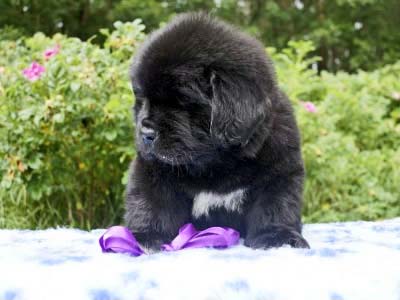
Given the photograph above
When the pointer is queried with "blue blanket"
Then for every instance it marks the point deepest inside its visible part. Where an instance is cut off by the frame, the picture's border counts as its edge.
(354, 260)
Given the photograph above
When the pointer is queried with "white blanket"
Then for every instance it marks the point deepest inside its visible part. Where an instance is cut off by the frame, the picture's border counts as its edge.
(347, 261)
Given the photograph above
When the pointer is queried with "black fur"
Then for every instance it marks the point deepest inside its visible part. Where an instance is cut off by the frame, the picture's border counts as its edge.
(207, 96)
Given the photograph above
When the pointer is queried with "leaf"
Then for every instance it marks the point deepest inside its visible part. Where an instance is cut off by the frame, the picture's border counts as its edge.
(59, 118)
(113, 104)
(110, 135)
(26, 113)
(35, 163)
(125, 178)
(36, 192)
(105, 31)
(75, 86)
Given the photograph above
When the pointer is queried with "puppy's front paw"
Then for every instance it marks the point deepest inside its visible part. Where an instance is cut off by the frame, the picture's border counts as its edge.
(276, 237)
(149, 242)
(151, 246)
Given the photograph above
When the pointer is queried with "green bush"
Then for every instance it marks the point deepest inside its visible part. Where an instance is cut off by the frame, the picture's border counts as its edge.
(66, 134)
(351, 144)
(348, 34)
(66, 137)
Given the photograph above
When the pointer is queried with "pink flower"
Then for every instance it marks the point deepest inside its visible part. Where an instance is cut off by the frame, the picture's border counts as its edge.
(51, 52)
(309, 106)
(34, 72)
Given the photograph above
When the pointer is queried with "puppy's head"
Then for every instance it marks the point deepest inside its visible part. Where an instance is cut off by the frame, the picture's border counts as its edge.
(202, 88)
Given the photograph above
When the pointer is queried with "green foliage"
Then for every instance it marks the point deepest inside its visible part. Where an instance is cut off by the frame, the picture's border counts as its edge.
(348, 34)
(351, 145)
(67, 140)
(123, 41)
(10, 33)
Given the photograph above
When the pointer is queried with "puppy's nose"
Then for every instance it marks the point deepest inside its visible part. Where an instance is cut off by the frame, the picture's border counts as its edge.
(148, 135)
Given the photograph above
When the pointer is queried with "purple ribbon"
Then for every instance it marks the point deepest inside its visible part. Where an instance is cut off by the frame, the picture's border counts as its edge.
(189, 237)
(119, 239)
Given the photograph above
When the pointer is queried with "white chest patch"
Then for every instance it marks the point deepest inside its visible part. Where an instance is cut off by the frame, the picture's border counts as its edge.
(205, 201)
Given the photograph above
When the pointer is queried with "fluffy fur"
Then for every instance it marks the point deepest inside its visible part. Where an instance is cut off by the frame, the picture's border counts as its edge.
(211, 120)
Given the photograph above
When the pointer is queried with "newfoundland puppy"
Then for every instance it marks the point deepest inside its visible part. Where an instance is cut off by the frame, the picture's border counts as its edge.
(217, 141)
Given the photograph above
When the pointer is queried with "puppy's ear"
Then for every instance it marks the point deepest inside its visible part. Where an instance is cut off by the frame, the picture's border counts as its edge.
(238, 109)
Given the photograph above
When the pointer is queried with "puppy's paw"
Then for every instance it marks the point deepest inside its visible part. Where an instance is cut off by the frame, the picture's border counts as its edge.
(150, 242)
(276, 237)
(151, 246)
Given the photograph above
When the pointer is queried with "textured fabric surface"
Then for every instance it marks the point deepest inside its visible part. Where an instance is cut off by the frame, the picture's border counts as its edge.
(354, 260)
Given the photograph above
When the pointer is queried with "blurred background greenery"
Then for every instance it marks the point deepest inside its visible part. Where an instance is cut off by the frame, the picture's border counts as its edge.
(347, 34)
(65, 122)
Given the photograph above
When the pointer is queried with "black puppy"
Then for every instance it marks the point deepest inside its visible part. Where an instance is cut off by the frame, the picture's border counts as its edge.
(217, 141)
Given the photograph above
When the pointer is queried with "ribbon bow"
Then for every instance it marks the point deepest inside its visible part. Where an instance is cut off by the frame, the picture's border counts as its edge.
(119, 239)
